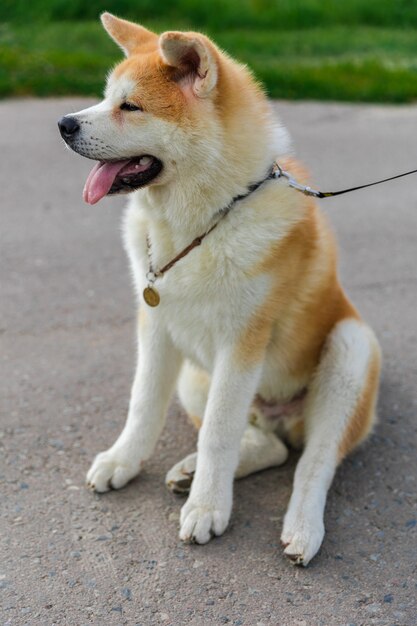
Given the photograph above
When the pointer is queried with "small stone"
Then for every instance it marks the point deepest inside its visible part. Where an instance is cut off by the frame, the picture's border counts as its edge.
(363, 599)
(126, 593)
(170, 594)
(75, 554)
(117, 609)
(24, 486)
(412, 523)
(56, 443)
(91, 583)
(210, 602)
(388, 598)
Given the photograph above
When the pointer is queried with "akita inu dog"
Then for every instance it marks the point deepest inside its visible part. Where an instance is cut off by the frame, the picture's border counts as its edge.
(240, 302)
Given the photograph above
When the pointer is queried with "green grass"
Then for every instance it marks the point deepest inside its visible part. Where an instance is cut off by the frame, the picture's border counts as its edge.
(364, 63)
(217, 14)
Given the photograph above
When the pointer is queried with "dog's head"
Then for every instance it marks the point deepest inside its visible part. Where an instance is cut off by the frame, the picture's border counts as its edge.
(158, 103)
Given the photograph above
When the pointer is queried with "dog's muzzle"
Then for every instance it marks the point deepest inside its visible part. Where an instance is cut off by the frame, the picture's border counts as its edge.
(111, 176)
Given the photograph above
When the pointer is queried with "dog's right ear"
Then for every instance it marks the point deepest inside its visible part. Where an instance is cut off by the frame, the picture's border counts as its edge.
(193, 55)
(129, 36)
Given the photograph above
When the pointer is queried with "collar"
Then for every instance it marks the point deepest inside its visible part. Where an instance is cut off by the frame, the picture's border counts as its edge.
(150, 293)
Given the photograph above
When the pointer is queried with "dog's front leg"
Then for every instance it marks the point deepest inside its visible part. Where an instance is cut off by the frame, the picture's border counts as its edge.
(207, 510)
(156, 373)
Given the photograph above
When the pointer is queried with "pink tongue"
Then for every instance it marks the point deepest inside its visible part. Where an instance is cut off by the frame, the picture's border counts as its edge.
(100, 180)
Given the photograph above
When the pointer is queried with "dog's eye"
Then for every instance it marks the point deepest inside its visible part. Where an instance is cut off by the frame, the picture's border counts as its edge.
(128, 106)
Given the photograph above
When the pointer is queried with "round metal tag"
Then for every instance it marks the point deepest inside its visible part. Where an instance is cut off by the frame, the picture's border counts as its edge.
(151, 296)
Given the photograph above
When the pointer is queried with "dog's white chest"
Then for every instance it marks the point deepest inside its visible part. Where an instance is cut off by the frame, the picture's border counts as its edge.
(206, 299)
(203, 306)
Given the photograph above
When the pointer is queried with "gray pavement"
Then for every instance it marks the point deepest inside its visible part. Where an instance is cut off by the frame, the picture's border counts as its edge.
(68, 556)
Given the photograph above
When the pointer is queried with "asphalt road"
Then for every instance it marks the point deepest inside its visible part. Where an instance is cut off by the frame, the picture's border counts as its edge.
(67, 322)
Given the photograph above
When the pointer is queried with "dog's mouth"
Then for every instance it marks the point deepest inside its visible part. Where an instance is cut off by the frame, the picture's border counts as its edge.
(111, 177)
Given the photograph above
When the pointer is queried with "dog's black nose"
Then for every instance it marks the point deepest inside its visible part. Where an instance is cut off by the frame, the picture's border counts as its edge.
(68, 126)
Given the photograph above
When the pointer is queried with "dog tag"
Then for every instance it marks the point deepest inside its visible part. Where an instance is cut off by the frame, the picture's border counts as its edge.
(151, 296)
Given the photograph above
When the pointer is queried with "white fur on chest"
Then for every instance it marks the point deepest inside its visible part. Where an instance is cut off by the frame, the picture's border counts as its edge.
(208, 297)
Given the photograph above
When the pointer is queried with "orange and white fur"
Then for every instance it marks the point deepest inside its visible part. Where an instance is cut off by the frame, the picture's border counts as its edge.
(251, 323)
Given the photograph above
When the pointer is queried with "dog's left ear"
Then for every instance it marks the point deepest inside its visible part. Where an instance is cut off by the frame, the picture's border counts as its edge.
(190, 53)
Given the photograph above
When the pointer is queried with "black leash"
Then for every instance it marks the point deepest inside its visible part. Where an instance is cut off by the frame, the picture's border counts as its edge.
(278, 172)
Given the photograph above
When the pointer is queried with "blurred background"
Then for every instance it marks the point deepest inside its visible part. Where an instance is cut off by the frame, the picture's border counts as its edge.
(346, 50)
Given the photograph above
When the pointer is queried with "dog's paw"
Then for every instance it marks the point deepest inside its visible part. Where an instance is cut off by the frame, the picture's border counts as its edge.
(111, 470)
(302, 539)
(200, 523)
(179, 477)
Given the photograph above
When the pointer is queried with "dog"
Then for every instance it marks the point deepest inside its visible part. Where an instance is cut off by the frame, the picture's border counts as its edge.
(240, 304)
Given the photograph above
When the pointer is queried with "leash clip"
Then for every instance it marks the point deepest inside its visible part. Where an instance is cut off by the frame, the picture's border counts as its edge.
(278, 172)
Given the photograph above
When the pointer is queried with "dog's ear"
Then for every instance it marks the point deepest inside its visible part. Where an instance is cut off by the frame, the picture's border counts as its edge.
(129, 36)
(193, 56)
